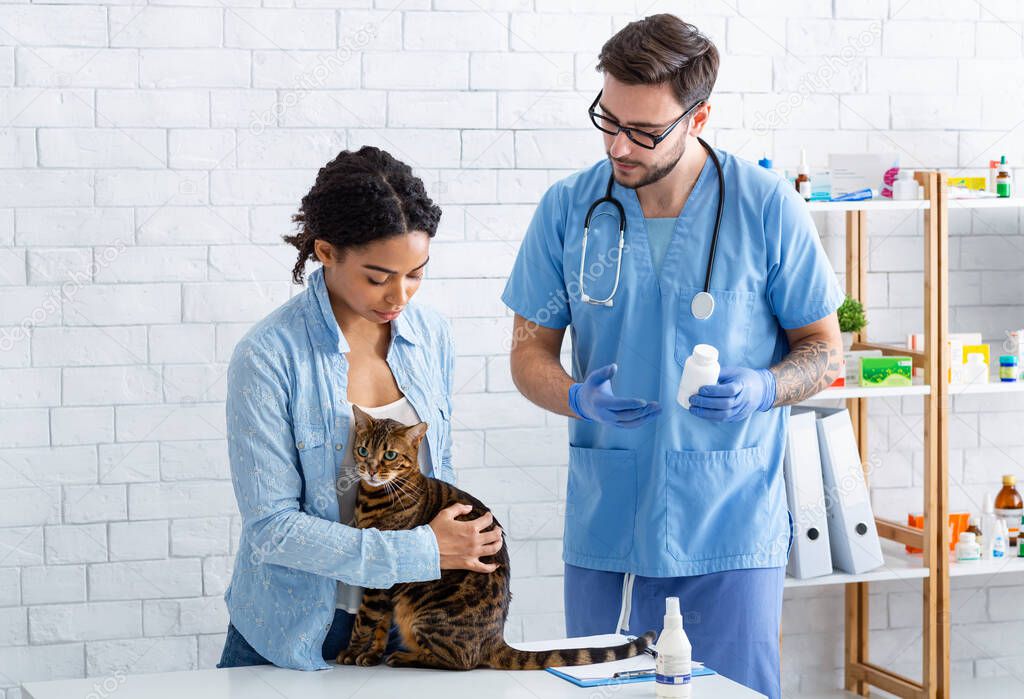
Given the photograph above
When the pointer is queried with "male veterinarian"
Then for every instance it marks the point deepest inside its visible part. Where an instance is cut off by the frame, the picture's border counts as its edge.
(666, 501)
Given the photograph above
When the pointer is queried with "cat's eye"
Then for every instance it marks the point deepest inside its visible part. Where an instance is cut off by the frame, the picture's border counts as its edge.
(363, 452)
(390, 455)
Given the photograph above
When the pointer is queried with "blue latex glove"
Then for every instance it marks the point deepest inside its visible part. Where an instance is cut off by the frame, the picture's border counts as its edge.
(739, 392)
(594, 401)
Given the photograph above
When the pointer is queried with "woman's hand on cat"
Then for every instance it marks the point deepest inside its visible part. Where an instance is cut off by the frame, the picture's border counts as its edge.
(461, 544)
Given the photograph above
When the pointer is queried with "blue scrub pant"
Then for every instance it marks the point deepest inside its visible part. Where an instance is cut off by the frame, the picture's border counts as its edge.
(731, 618)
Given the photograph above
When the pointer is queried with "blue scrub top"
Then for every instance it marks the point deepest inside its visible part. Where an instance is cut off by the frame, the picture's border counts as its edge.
(681, 495)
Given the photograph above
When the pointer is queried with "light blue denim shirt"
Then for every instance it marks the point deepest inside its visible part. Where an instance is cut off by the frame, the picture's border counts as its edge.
(288, 428)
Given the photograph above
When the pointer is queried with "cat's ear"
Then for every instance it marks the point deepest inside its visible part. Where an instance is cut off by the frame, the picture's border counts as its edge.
(362, 418)
(415, 433)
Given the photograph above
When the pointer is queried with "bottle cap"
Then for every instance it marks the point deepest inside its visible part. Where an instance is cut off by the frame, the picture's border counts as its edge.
(1007, 359)
(672, 610)
(705, 354)
(765, 162)
(967, 538)
(1009, 480)
(803, 169)
(972, 521)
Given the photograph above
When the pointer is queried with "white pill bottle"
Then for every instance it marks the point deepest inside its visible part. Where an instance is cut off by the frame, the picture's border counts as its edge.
(673, 666)
(701, 369)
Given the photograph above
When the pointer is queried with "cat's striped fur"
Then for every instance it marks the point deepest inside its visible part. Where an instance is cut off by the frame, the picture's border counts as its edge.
(457, 622)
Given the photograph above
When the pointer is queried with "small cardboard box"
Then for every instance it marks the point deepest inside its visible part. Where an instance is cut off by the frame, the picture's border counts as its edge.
(886, 371)
(852, 361)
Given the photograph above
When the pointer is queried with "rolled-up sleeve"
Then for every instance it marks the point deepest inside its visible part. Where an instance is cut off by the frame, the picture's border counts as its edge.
(265, 475)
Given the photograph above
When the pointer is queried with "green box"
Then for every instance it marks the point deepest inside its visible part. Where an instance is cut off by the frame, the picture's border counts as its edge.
(886, 371)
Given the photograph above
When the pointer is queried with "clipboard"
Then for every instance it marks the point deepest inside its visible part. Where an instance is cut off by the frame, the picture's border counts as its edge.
(600, 674)
(598, 682)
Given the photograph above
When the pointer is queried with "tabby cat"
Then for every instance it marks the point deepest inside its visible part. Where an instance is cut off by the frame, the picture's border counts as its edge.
(456, 622)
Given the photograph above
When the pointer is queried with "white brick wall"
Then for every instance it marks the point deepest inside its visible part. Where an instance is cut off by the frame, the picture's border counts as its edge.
(150, 158)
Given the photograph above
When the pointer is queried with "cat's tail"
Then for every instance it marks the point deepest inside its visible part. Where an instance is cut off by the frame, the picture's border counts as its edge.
(505, 657)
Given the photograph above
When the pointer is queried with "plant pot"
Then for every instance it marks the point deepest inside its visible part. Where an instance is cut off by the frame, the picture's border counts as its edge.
(847, 341)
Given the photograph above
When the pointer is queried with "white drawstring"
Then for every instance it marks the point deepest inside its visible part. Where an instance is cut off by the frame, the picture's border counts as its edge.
(627, 603)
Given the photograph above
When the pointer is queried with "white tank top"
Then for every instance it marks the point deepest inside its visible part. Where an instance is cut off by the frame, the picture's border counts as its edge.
(350, 596)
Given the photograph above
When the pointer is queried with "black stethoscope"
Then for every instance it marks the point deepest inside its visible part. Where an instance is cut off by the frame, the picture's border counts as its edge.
(702, 305)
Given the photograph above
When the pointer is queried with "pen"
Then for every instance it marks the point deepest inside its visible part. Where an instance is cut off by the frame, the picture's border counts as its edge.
(630, 674)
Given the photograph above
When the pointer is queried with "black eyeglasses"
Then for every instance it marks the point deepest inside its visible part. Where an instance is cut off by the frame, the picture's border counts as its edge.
(642, 138)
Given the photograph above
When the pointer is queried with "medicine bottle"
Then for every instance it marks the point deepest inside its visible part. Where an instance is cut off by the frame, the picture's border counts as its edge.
(968, 549)
(1010, 507)
(1003, 178)
(803, 177)
(701, 369)
(673, 666)
(1008, 368)
(974, 527)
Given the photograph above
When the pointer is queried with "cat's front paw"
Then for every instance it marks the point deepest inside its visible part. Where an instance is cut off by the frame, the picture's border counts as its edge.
(348, 656)
(368, 659)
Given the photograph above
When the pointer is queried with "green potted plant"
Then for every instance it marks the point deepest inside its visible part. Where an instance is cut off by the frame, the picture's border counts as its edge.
(851, 320)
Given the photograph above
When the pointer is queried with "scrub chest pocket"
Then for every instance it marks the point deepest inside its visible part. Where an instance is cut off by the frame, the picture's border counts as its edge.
(601, 502)
(728, 328)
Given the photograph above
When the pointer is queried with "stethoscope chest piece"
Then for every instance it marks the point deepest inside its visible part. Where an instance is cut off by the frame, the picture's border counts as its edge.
(702, 305)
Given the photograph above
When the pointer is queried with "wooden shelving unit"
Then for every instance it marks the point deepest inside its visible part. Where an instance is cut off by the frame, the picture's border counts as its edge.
(931, 568)
(934, 567)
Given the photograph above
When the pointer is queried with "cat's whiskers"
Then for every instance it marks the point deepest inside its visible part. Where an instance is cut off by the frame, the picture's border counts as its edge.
(393, 488)
(400, 484)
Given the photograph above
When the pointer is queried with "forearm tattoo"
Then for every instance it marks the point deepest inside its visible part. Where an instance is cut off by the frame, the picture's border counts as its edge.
(808, 368)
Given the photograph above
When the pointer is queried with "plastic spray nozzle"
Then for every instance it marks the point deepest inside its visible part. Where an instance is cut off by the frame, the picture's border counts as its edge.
(804, 168)
(672, 607)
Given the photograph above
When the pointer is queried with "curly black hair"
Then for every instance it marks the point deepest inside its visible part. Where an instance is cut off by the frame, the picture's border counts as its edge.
(358, 198)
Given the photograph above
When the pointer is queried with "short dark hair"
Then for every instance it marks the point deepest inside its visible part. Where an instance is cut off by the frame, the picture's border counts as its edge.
(662, 48)
(358, 198)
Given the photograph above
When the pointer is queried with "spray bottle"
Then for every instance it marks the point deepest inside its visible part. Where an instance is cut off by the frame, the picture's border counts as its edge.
(999, 543)
(673, 666)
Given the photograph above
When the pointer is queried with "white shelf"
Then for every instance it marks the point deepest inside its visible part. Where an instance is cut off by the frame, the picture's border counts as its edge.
(988, 566)
(899, 565)
(993, 386)
(916, 204)
(870, 205)
(844, 392)
(986, 203)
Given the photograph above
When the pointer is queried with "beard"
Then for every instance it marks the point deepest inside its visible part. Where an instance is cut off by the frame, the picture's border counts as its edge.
(654, 172)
